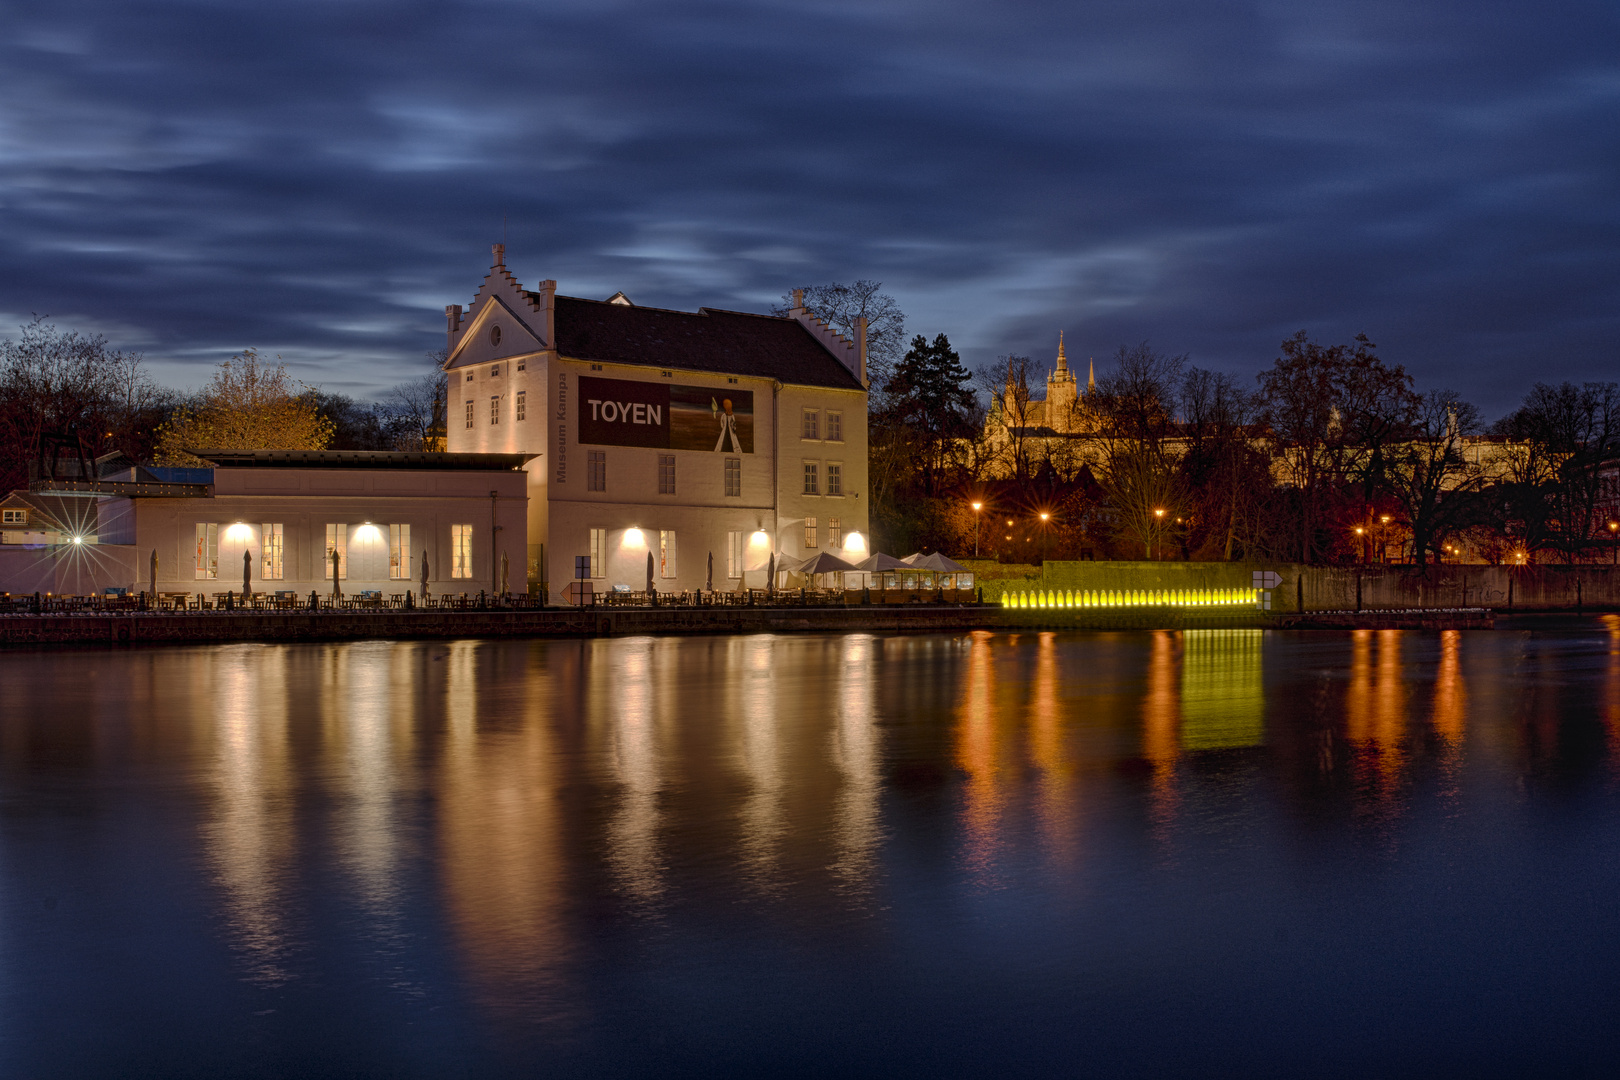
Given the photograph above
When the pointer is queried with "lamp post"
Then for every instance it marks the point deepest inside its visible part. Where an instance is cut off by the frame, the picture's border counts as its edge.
(1045, 517)
(1361, 535)
(1614, 540)
(976, 508)
(1158, 523)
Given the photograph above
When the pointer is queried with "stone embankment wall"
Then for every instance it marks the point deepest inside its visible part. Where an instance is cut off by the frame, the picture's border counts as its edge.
(1324, 588)
(552, 622)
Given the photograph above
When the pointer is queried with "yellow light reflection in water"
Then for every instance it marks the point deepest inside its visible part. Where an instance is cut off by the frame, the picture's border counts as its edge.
(621, 688)
(856, 750)
(1161, 724)
(500, 828)
(762, 819)
(1222, 692)
(250, 838)
(1450, 715)
(1059, 812)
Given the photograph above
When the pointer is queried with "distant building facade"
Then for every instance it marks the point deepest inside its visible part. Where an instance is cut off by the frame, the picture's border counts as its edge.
(684, 435)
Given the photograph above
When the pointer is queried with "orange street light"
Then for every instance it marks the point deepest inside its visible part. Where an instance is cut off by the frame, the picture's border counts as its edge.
(976, 508)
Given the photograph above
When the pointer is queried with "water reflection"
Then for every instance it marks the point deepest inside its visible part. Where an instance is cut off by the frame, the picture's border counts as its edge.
(250, 836)
(976, 753)
(856, 752)
(1222, 689)
(621, 692)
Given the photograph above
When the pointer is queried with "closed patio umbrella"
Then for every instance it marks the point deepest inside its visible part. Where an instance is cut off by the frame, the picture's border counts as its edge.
(247, 576)
(505, 568)
(650, 586)
(770, 575)
(708, 584)
(424, 574)
(337, 561)
(154, 573)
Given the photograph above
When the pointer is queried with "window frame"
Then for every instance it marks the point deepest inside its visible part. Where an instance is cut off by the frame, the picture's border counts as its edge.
(835, 532)
(469, 414)
(494, 410)
(272, 551)
(812, 478)
(810, 425)
(337, 533)
(461, 552)
(733, 477)
(522, 405)
(399, 552)
(596, 470)
(835, 479)
(666, 553)
(206, 564)
(666, 474)
(811, 534)
(835, 425)
(598, 552)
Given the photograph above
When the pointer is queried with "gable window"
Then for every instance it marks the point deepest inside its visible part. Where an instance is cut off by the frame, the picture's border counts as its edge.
(596, 470)
(495, 410)
(16, 517)
(271, 545)
(520, 403)
(495, 335)
(469, 414)
(812, 478)
(207, 551)
(835, 478)
(734, 477)
(835, 426)
(809, 532)
(666, 474)
(812, 423)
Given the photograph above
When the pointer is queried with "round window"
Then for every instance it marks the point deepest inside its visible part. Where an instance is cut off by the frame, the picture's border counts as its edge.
(495, 335)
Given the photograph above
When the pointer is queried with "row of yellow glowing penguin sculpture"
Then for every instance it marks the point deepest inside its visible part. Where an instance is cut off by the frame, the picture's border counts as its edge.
(1103, 598)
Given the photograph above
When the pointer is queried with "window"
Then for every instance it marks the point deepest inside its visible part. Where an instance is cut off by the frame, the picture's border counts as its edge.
(495, 372)
(734, 477)
(522, 394)
(522, 364)
(809, 532)
(271, 545)
(16, 517)
(835, 478)
(399, 552)
(598, 549)
(207, 551)
(835, 533)
(812, 423)
(461, 551)
(337, 539)
(469, 376)
(666, 553)
(835, 426)
(734, 554)
(495, 410)
(596, 470)
(811, 485)
(666, 474)
(469, 414)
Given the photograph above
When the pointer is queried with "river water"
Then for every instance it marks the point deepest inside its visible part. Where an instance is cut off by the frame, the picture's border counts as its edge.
(1205, 853)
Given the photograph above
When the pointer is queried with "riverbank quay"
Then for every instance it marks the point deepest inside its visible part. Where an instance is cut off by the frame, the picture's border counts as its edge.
(157, 628)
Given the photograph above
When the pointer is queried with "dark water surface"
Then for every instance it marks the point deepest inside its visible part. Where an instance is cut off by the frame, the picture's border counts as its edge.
(1210, 853)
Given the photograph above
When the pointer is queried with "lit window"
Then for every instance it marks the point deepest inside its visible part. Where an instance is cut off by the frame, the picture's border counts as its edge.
(835, 533)
(835, 478)
(811, 478)
(337, 539)
(469, 414)
(207, 550)
(734, 477)
(734, 554)
(399, 552)
(835, 426)
(521, 410)
(461, 543)
(16, 517)
(809, 532)
(495, 410)
(666, 553)
(811, 423)
(596, 470)
(598, 547)
(666, 474)
(271, 546)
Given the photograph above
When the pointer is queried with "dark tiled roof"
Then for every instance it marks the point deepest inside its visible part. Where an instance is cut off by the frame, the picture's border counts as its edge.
(362, 459)
(732, 342)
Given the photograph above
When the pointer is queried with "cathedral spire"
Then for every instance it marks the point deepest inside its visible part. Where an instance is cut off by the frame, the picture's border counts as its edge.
(1063, 361)
(1091, 375)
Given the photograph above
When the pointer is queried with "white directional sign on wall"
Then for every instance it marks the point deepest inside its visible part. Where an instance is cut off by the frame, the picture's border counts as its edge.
(1267, 580)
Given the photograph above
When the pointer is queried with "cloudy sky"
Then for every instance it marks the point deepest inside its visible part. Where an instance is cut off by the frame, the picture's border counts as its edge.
(318, 180)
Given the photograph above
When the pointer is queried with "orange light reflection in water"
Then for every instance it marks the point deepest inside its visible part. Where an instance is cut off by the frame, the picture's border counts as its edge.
(856, 750)
(1058, 810)
(1375, 720)
(1611, 690)
(976, 756)
(1450, 714)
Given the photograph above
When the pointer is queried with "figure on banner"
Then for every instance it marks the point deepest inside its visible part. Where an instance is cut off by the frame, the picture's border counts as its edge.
(728, 427)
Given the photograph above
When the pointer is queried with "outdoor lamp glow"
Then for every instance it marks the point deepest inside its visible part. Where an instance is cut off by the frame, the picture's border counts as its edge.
(1158, 513)
(632, 537)
(1045, 515)
(78, 539)
(977, 507)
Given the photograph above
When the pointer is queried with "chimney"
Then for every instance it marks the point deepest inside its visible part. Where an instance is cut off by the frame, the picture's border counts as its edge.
(452, 315)
(798, 301)
(500, 255)
(546, 304)
(860, 349)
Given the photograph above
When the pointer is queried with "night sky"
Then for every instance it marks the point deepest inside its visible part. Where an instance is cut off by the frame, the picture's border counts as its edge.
(318, 180)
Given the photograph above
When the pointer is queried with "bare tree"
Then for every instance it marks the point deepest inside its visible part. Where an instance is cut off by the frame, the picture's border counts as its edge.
(839, 305)
(1135, 406)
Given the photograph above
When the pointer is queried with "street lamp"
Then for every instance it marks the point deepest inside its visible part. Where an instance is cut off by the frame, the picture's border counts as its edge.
(1158, 523)
(976, 508)
(1045, 517)
(1614, 539)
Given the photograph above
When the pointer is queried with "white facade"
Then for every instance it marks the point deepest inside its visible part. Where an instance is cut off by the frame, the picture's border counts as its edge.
(522, 367)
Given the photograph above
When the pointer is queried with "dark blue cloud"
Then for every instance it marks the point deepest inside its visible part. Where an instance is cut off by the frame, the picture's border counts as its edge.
(321, 179)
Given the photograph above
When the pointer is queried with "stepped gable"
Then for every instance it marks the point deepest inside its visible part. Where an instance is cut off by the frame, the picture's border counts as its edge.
(730, 342)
